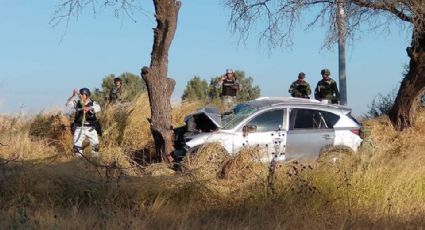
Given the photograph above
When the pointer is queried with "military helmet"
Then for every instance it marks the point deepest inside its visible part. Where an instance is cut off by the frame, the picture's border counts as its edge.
(325, 72)
(85, 91)
(301, 75)
(117, 79)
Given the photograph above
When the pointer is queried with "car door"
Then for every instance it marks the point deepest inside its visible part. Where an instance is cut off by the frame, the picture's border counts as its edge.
(308, 133)
(267, 134)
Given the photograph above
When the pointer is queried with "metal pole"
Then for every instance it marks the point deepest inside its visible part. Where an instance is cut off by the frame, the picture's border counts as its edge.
(341, 51)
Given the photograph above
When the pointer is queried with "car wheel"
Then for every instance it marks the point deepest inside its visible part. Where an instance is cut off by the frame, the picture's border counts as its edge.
(205, 153)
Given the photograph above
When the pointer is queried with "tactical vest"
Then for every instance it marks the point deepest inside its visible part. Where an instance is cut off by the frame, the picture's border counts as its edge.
(115, 94)
(90, 118)
(327, 90)
(300, 89)
(230, 88)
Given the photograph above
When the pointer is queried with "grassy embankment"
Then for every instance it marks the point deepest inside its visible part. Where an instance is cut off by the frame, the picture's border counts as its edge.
(43, 186)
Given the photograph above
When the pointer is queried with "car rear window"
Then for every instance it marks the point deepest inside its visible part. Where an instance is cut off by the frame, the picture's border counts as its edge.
(352, 118)
(330, 118)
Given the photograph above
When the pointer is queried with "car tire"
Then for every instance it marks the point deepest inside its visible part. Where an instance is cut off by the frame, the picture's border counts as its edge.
(195, 157)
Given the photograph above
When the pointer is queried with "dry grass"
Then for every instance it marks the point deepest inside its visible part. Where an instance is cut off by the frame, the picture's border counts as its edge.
(183, 109)
(42, 186)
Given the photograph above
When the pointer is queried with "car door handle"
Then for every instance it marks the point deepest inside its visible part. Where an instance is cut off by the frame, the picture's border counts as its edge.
(327, 136)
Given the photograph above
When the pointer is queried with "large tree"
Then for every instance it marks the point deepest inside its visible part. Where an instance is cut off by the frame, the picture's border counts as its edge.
(159, 86)
(281, 16)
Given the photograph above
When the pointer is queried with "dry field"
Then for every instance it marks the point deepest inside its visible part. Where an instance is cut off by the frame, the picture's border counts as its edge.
(43, 187)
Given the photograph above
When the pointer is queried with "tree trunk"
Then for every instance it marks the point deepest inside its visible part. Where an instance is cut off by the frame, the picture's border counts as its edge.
(160, 87)
(412, 87)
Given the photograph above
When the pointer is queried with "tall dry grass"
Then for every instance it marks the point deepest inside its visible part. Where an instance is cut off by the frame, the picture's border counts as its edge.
(43, 187)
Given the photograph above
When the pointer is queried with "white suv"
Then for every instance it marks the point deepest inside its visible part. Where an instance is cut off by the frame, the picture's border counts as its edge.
(283, 128)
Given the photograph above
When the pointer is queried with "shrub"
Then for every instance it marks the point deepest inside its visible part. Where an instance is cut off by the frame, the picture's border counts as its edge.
(381, 104)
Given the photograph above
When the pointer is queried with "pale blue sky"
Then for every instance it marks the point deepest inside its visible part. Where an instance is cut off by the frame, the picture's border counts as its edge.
(38, 70)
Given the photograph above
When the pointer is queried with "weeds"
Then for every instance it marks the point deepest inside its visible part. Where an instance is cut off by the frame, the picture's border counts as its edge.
(42, 186)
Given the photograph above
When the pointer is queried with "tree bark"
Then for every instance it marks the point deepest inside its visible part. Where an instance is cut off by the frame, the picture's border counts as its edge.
(159, 86)
(412, 86)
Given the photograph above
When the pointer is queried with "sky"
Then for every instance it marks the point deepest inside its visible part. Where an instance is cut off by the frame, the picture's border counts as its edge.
(40, 64)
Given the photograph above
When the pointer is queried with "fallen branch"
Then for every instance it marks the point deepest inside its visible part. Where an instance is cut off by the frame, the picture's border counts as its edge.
(113, 165)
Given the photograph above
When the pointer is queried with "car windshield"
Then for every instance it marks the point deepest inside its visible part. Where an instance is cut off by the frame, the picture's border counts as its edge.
(231, 119)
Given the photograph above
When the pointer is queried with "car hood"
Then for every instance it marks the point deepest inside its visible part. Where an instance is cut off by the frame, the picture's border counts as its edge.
(208, 117)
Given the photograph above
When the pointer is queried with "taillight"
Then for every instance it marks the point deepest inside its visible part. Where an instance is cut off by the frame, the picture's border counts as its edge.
(356, 131)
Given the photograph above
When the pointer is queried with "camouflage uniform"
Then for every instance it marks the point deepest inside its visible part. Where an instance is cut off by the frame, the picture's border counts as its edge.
(228, 93)
(300, 88)
(327, 90)
(116, 94)
(230, 88)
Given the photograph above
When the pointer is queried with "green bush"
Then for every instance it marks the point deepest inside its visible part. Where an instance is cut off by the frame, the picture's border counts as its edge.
(381, 104)
(131, 83)
(196, 89)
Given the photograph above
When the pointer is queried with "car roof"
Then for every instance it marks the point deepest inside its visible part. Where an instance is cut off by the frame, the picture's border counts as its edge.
(264, 102)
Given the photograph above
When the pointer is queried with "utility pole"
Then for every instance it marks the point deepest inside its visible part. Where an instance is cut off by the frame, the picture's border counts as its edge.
(340, 17)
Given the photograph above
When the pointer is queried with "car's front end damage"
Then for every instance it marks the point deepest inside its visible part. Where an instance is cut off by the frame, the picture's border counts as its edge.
(198, 124)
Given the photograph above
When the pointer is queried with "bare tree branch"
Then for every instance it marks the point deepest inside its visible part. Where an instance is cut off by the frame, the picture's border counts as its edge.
(277, 19)
(73, 8)
(384, 5)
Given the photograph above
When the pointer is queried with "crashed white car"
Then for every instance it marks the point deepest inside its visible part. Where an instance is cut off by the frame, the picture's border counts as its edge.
(283, 129)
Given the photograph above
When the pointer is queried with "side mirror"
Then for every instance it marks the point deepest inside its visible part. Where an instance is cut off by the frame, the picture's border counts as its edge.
(249, 129)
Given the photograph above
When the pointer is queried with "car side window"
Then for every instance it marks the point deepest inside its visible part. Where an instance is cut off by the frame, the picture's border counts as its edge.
(268, 121)
(312, 119)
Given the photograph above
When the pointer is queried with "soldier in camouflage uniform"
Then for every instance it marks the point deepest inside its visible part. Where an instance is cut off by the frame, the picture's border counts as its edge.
(230, 88)
(326, 88)
(300, 87)
(116, 94)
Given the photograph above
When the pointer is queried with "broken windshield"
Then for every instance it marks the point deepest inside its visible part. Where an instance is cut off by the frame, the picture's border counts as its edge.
(238, 114)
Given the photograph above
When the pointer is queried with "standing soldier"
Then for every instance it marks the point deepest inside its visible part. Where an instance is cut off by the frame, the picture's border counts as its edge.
(229, 89)
(116, 93)
(300, 87)
(326, 88)
(85, 121)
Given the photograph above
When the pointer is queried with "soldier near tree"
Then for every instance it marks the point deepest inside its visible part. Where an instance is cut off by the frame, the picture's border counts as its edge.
(326, 88)
(117, 92)
(300, 87)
